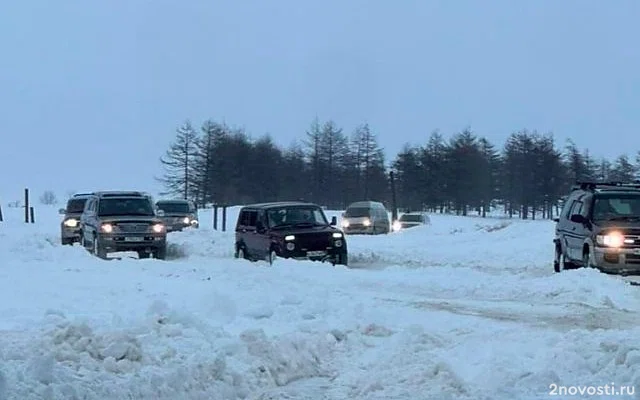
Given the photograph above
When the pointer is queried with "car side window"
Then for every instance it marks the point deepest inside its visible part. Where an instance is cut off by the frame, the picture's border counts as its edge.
(586, 203)
(568, 205)
(576, 208)
(249, 218)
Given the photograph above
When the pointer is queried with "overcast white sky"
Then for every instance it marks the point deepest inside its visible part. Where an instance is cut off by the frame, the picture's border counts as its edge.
(91, 92)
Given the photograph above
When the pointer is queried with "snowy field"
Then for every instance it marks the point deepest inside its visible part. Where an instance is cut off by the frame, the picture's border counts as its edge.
(467, 308)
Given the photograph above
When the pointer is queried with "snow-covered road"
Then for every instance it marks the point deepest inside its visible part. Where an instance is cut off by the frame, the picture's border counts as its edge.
(467, 308)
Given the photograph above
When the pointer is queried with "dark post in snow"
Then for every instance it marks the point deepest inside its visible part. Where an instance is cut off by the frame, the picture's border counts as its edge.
(26, 206)
(215, 217)
(224, 218)
(1, 213)
(32, 215)
(394, 204)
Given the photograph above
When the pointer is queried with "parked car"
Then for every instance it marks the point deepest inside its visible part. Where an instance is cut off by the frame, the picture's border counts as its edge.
(123, 221)
(366, 217)
(295, 230)
(70, 224)
(411, 220)
(178, 214)
(599, 226)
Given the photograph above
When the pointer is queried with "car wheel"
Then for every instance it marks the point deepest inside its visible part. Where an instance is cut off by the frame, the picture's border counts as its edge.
(98, 250)
(142, 254)
(240, 253)
(557, 261)
(586, 259)
(160, 253)
(271, 258)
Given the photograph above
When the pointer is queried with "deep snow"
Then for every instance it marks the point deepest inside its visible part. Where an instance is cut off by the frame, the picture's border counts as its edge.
(467, 308)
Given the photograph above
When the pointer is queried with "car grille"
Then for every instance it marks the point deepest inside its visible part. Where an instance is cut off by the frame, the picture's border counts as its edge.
(133, 228)
(314, 241)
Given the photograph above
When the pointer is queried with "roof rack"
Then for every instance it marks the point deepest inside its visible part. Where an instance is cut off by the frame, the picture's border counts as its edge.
(589, 185)
(119, 193)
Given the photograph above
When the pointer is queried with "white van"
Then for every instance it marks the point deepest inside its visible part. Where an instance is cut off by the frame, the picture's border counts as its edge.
(366, 217)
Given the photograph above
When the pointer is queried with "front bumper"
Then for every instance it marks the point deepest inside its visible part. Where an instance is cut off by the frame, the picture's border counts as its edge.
(357, 229)
(70, 233)
(314, 253)
(617, 261)
(132, 242)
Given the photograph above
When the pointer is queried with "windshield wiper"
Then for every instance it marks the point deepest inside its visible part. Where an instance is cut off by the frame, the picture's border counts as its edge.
(624, 218)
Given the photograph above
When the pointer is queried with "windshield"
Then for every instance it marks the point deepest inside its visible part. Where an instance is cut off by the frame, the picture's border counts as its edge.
(170, 208)
(411, 218)
(357, 212)
(125, 206)
(618, 207)
(288, 216)
(76, 206)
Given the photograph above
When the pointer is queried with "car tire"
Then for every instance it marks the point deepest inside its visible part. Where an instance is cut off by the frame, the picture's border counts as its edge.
(160, 253)
(560, 263)
(98, 250)
(271, 258)
(341, 259)
(66, 242)
(586, 259)
(240, 253)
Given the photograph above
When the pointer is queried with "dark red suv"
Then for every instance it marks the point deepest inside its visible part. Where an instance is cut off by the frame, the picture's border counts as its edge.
(294, 230)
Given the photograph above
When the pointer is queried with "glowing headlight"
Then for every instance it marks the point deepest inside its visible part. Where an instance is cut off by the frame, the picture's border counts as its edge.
(107, 228)
(345, 223)
(186, 220)
(158, 228)
(337, 235)
(289, 237)
(613, 239)
(71, 223)
(366, 222)
(194, 222)
(396, 226)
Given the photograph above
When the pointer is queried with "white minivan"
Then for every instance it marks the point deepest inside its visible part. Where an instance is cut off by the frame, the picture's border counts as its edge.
(366, 217)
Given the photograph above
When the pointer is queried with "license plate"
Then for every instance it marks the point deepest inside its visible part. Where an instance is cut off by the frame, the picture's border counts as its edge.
(316, 253)
(133, 239)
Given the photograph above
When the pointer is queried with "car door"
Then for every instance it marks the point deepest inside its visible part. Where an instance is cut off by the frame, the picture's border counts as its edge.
(249, 233)
(262, 234)
(573, 232)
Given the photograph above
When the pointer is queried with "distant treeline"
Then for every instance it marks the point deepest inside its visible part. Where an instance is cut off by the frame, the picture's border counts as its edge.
(465, 173)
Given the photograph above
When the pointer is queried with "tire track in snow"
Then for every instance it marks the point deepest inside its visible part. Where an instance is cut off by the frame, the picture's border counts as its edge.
(563, 317)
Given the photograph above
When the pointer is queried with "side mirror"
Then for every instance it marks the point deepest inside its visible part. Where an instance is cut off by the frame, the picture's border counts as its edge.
(160, 213)
(334, 221)
(578, 219)
(62, 211)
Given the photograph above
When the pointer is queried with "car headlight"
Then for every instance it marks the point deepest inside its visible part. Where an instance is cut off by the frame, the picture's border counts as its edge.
(71, 223)
(366, 222)
(289, 237)
(345, 223)
(194, 222)
(396, 226)
(158, 228)
(107, 228)
(337, 235)
(186, 220)
(612, 239)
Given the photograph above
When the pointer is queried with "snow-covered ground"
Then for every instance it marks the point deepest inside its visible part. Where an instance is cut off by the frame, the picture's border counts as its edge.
(467, 308)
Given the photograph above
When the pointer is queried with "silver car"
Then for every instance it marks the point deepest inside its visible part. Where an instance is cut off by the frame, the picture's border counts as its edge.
(410, 220)
(70, 224)
(178, 214)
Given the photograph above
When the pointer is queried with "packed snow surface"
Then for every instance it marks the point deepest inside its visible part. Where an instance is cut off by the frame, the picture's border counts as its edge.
(466, 308)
